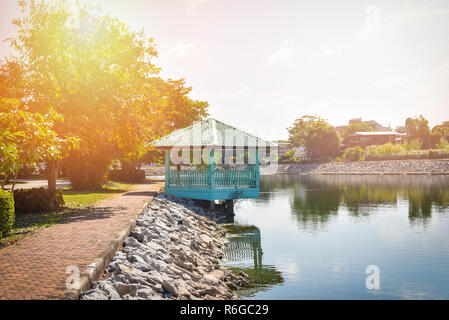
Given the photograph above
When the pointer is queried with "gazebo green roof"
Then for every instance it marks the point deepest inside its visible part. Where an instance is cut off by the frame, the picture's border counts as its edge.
(211, 133)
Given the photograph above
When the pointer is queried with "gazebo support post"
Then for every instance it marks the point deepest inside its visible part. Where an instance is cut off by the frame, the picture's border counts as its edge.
(167, 167)
(230, 206)
(257, 169)
(212, 174)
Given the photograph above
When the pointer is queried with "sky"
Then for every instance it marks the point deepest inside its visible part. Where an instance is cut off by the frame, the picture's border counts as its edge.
(261, 64)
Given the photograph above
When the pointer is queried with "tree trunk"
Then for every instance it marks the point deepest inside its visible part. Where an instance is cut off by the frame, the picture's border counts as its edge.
(53, 169)
(5, 180)
(14, 181)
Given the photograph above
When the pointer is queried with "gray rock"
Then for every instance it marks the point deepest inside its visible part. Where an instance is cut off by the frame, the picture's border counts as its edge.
(170, 287)
(110, 290)
(168, 255)
(147, 294)
(135, 258)
(95, 294)
(138, 234)
(126, 289)
(131, 242)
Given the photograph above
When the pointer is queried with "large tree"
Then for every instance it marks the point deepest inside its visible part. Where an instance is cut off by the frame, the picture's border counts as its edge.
(318, 137)
(418, 129)
(26, 138)
(440, 134)
(98, 74)
(177, 109)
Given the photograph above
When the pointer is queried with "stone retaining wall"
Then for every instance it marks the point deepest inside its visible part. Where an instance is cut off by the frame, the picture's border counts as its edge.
(360, 167)
(370, 167)
(173, 253)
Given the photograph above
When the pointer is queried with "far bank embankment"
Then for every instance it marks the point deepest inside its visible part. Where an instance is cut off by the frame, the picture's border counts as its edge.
(387, 167)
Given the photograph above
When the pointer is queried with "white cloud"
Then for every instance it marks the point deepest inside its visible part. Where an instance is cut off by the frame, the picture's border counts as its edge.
(408, 14)
(284, 53)
(287, 52)
(196, 3)
(404, 16)
(181, 48)
(316, 53)
(236, 93)
(390, 82)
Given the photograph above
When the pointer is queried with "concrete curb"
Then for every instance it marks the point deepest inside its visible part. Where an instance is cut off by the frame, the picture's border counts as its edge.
(96, 269)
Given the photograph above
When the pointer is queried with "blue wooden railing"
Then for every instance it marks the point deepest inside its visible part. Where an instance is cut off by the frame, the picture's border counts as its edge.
(201, 178)
(194, 178)
(225, 178)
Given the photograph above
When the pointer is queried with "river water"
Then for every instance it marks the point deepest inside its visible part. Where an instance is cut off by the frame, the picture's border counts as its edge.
(313, 237)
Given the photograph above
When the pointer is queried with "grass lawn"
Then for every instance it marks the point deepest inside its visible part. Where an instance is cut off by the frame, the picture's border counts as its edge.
(80, 199)
(26, 224)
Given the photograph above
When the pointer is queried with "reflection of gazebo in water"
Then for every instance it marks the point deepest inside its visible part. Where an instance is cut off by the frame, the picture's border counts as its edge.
(245, 245)
(223, 162)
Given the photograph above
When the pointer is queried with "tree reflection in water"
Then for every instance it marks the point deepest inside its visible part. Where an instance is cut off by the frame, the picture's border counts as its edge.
(316, 199)
(244, 253)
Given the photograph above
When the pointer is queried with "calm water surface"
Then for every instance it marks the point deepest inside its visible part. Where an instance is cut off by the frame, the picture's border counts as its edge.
(313, 237)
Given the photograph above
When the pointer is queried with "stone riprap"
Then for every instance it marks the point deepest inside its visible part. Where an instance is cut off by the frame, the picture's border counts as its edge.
(370, 167)
(434, 166)
(173, 253)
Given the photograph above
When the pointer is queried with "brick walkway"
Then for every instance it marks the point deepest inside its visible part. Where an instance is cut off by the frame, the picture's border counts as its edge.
(35, 268)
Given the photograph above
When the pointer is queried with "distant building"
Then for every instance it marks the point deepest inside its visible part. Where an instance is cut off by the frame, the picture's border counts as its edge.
(374, 124)
(365, 139)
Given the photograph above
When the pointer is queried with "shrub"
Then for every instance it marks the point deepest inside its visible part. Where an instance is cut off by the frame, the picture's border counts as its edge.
(443, 144)
(289, 157)
(87, 171)
(415, 144)
(388, 148)
(7, 215)
(132, 176)
(354, 154)
(37, 200)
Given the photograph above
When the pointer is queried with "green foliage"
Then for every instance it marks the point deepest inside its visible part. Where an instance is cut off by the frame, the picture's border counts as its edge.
(354, 154)
(131, 175)
(414, 144)
(388, 148)
(177, 110)
(7, 214)
(41, 200)
(27, 138)
(443, 144)
(100, 77)
(88, 171)
(154, 156)
(289, 157)
(418, 128)
(438, 133)
(316, 135)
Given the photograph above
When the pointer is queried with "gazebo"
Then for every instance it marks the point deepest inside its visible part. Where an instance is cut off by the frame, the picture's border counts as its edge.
(219, 162)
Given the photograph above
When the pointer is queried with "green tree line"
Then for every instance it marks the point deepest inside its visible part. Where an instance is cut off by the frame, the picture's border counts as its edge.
(322, 142)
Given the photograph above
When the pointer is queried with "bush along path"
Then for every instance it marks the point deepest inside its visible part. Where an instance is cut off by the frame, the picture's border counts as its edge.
(173, 253)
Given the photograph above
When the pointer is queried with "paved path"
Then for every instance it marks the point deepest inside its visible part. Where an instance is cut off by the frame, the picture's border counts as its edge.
(31, 183)
(35, 268)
